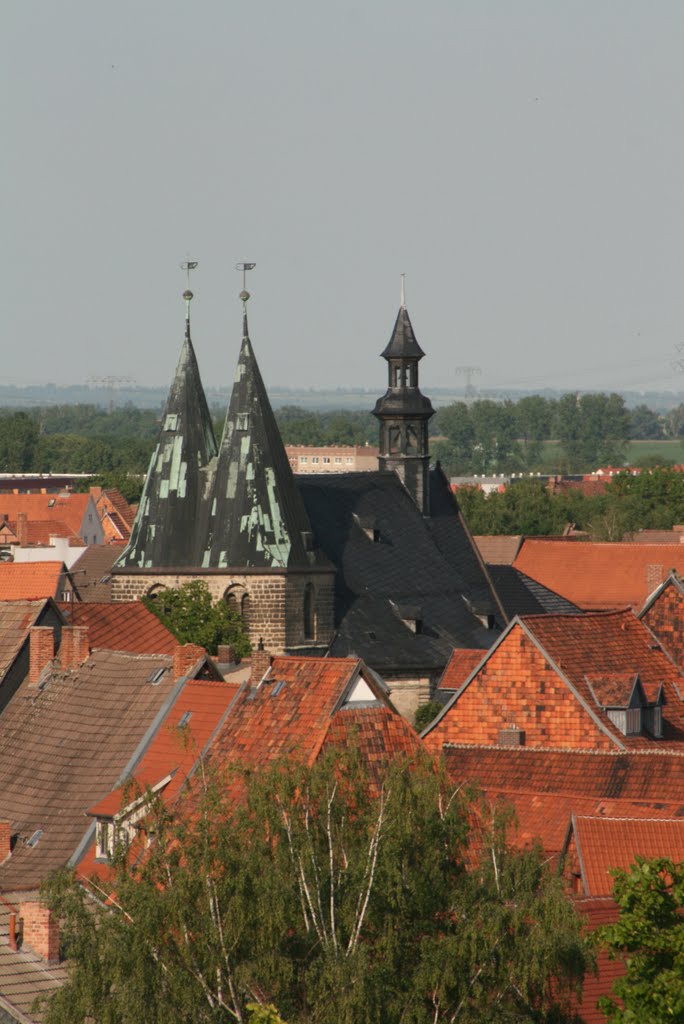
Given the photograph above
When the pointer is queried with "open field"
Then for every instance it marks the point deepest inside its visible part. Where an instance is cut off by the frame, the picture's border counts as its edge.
(669, 451)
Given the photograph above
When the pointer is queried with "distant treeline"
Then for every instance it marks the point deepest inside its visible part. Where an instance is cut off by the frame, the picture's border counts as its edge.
(479, 437)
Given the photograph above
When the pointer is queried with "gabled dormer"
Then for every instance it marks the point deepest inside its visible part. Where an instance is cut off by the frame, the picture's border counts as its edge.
(634, 707)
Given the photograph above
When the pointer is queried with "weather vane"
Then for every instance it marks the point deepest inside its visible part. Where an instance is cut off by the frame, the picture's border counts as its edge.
(187, 266)
(244, 267)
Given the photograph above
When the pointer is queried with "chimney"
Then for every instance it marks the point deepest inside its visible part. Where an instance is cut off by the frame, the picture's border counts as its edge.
(41, 651)
(74, 648)
(260, 664)
(22, 529)
(40, 930)
(655, 574)
(5, 840)
(185, 657)
(226, 654)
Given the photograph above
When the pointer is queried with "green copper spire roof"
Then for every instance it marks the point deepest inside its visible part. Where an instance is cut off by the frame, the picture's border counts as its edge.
(165, 531)
(257, 517)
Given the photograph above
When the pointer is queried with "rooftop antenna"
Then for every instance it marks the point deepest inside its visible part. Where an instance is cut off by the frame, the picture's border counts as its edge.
(244, 294)
(188, 265)
(402, 301)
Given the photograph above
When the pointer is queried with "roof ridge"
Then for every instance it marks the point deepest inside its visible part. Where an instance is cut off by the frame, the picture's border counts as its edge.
(623, 817)
(631, 752)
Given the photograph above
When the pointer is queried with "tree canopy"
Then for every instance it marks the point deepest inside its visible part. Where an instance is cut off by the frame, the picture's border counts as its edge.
(192, 615)
(333, 895)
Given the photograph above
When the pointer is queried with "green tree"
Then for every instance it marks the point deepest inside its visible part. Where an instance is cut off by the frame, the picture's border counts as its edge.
(593, 430)
(18, 441)
(644, 424)
(425, 713)
(648, 939)
(337, 896)
(194, 617)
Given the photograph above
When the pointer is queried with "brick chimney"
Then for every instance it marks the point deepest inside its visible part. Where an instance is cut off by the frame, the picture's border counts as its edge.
(41, 650)
(185, 657)
(226, 654)
(40, 930)
(74, 648)
(655, 574)
(260, 663)
(22, 529)
(5, 840)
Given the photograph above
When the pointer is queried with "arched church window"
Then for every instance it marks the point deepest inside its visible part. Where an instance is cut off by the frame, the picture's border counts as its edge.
(394, 440)
(156, 593)
(309, 612)
(245, 609)
(411, 441)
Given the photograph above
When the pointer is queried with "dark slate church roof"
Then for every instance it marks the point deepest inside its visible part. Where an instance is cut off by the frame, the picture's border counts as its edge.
(428, 564)
(257, 516)
(521, 595)
(402, 344)
(164, 532)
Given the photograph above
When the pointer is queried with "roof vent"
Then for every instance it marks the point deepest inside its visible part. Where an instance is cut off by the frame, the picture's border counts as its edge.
(512, 737)
(156, 676)
(307, 540)
(277, 688)
(35, 838)
(184, 719)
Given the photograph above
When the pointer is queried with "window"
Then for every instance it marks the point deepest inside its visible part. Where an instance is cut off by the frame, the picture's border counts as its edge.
(314, 458)
(303, 458)
(245, 609)
(309, 612)
(350, 459)
(326, 459)
(104, 839)
(337, 460)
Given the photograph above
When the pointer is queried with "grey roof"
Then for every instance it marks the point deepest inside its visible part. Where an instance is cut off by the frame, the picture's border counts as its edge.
(521, 595)
(164, 532)
(65, 746)
(92, 572)
(402, 344)
(257, 516)
(424, 561)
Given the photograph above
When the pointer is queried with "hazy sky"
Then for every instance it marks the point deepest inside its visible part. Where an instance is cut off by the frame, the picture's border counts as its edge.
(522, 162)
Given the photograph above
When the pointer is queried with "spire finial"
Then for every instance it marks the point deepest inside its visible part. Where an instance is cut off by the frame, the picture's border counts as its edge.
(402, 302)
(244, 294)
(187, 266)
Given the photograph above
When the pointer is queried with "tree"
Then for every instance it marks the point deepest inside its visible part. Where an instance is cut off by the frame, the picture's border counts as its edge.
(18, 441)
(337, 895)
(194, 617)
(593, 430)
(644, 424)
(648, 939)
(425, 713)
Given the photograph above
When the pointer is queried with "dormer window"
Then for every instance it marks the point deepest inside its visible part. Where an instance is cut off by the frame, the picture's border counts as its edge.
(411, 615)
(632, 706)
(369, 526)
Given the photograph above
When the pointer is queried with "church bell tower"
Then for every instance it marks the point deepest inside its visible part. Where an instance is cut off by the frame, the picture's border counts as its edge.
(404, 413)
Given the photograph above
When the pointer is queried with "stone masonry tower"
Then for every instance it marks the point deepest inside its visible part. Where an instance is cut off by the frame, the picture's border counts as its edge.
(404, 413)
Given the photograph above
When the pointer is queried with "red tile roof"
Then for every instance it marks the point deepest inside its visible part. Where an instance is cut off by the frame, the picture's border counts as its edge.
(122, 626)
(69, 509)
(39, 531)
(598, 912)
(535, 678)
(611, 689)
(378, 732)
(605, 843)
(597, 576)
(461, 663)
(28, 581)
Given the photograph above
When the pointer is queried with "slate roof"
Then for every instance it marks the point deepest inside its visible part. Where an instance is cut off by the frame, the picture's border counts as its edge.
(165, 529)
(92, 572)
(430, 562)
(123, 626)
(257, 516)
(65, 746)
(598, 576)
(605, 843)
(521, 595)
(402, 343)
(28, 581)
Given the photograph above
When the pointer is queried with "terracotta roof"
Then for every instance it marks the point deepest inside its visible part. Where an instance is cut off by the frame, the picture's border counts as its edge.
(675, 536)
(16, 619)
(69, 509)
(498, 550)
(597, 576)
(92, 572)
(113, 500)
(563, 651)
(605, 843)
(28, 581)
(378, 732)
(598, 912)
(461, 663)
(611, 689)
(65, 746)
(114, 528)
(122, 626)
(638, 775)
(39, 531)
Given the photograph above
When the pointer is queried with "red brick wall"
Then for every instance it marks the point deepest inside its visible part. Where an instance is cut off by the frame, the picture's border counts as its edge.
(74, 647)
(666, 618)
(41, 650)
(40, 930)
(185, 656)
(5, 837)
(518, 687)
